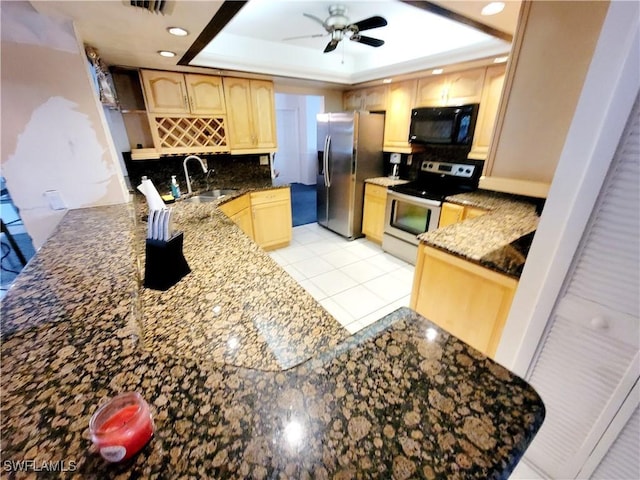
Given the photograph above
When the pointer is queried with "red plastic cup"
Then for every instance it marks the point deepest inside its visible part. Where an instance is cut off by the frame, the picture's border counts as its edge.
(121, 427)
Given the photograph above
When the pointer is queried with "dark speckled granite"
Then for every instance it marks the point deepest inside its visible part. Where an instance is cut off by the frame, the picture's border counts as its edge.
(499, 239)
(401, 399)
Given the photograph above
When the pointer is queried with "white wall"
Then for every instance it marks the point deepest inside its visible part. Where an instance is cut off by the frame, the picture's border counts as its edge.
(54, 132)
(611, 85)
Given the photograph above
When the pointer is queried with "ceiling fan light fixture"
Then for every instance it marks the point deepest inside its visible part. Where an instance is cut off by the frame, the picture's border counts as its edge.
(178, 31)
(166, 53)
(492, 8)
(500, 59)
(437, 71)
(387, 80)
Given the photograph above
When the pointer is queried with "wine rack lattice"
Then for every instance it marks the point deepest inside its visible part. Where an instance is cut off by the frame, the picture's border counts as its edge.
(186, 132)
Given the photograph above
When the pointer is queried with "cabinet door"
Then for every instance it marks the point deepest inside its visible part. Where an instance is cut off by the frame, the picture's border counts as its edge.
(272, 224)
(263, 114)
(400, 99)
(473, 212)
(465, 87)
(243, 220)
(206, 96)
(237, 94)
(164, 91)
(375, 203)
(450, 214)
(375, 99)
(467, 300)
(352, 100)
(491, 95)
(432, 91)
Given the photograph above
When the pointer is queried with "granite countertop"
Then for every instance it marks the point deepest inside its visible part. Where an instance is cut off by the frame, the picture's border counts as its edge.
(499, 239)
(386, 181)
(400, 399)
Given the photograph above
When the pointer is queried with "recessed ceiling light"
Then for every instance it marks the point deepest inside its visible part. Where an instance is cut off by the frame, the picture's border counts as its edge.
(437, 71)
(492, 8)
(166, 53)
(500, 59)
(177, 31)
(387, 80)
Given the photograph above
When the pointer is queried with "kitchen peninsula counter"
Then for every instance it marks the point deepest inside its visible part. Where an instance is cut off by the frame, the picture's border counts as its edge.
(498, 240)
(400, 399)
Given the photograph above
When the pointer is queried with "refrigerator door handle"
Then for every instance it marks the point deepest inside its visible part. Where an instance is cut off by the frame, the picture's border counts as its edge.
(327, 151)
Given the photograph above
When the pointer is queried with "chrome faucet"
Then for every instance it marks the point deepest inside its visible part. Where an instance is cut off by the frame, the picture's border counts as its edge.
(186, 173)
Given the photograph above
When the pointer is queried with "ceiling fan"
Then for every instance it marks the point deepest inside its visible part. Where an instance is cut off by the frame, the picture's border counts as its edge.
(338, 27)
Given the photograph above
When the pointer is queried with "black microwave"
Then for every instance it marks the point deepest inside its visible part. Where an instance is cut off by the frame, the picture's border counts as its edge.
(443, 125)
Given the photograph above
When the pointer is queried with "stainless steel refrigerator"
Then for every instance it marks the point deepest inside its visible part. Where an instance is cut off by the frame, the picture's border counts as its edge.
(349, 151)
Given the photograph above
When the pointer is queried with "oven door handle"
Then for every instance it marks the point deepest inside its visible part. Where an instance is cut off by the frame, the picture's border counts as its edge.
(412, 199)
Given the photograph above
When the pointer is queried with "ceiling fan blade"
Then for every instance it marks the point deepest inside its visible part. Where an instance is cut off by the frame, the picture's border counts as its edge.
(372, 42)
(317, 35)
(331, 46)
(313, 17)
(369, 23)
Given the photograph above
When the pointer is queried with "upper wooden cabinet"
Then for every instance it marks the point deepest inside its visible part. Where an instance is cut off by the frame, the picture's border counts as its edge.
(370, 99)
(400, 101)
(459, 88)
(251, 115)
(491, 95)
(173, 92)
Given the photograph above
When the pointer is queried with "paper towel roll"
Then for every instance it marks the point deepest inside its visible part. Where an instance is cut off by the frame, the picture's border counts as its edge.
(154, 200)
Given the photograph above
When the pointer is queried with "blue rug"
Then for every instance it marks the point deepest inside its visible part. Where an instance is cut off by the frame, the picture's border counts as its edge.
(303, 204)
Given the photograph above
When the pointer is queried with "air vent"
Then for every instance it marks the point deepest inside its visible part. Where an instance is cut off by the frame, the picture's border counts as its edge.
(155, 6)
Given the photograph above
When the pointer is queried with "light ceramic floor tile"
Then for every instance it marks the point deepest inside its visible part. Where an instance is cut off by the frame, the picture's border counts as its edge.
(354, 327)
(333, 282)
(313, 267)
(337, 312)
(314, 291)
(388, 288)
(325, 246)
(277, 258)
(386, 262)
(377, 315)
(362, 271)
(294, 253)
(358, 301)
(364, 248)
(305, 237)
(294, 272)
(340, 258)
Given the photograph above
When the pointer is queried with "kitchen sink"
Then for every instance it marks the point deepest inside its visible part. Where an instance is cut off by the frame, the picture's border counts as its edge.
(210, 195)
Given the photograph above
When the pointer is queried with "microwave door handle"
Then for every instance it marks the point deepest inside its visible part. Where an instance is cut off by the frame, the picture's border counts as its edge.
(327, 174)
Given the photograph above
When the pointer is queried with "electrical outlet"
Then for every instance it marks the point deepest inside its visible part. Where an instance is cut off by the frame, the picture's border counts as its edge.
(264, 159)
(55, 200)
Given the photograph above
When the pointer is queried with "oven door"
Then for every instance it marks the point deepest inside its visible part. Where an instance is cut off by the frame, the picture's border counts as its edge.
(406, 216)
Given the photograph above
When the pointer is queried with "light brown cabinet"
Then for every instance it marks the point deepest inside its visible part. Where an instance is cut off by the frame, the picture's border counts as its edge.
(173, 92)
(265, 216)
(239, 211)
(251, 115)
(489, 103)
(453, 213)
(469, 301)
(400, 101)
(458, 88)
(369, 99)
(271, 218)
(375, 202)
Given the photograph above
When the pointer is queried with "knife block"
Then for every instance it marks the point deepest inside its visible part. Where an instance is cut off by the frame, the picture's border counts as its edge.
(165, 264)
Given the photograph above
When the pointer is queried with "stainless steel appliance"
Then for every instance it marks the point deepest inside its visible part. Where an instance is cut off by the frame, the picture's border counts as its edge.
(443, 125)
(349, 151)
(414, 208)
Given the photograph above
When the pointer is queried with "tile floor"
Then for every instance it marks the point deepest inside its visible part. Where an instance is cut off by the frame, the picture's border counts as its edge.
(355, 280)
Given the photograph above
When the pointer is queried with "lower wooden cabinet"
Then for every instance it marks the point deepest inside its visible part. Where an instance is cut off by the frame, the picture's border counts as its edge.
(265, 216)
(239, 210)
(467, 300)
(453, 213)
(271, 218)
(375, 202)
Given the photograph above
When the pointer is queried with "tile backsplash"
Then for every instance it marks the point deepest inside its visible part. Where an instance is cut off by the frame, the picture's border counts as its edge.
(230, 171)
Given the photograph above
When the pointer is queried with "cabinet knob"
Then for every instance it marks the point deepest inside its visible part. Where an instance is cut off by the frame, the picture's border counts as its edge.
(599, 323)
